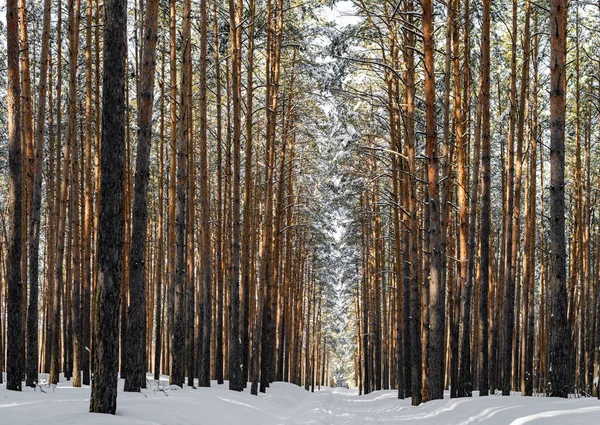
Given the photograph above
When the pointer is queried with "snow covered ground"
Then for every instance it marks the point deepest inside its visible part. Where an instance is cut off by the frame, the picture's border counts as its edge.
(284, 404)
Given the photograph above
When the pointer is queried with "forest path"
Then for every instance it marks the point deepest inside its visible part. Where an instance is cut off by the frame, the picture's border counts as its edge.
(284, 404)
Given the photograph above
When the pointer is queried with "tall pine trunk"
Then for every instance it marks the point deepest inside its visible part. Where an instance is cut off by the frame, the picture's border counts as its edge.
(204, 198)
(484, 274)
(437, 292)
(110, 231)
(15, 352)
(235, 349)
(179, 278)
(560, 381)
(36, 203)
(136, 357)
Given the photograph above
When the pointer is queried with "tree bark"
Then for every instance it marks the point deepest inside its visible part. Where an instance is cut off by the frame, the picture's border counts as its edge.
(88, 212)
(247, 214)
(529, 220)
(36, 202)
(235, 349)
(158, 316)
(204, 198)
(136, 362)
(437, 292)
(560, 381)
(510, 250)
(15, 352)
(484, 275)
(275, 31)
(465, 375)
(171, 242)
(110, 231)
(179, 335)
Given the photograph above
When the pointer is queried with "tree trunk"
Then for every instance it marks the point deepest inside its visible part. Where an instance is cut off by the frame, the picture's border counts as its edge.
(204, 198)
(136, 362)
(219, 204)
(247, 215)
(508, 319)
(36, 202)
(15, 352)
(158, 316)
(87, 220)
(529, 220)
(465, 376)
(235, 349)
(179, 335)
(28, 158)
(437, 292)
(172, 184)
(462, 387)
(274, 35)
(110, 231)
(484, 275)
(559, 350)
(75, 259)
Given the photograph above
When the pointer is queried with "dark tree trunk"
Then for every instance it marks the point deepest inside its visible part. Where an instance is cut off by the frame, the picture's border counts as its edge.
(15, 352)
(70, 191)
(76, 265)
(179, 336)
(437, 292)
(110, 231)
(275, 11)
(366, 349)
(412, 293)
(484, 275)
(235, 350)
(508, 310)
(136, 358)
(560, 381)
(204, 198)
(247, 216)
(529, 221)
(158, 316)
(52, 290)
(220, 208)
(171, 240)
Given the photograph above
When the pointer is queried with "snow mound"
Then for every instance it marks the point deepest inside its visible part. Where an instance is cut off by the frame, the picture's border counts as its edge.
(285, 404)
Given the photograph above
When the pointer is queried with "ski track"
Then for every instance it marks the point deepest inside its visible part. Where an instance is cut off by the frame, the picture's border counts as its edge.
(284, 404)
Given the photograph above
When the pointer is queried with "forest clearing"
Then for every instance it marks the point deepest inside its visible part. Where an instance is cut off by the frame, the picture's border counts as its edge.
(357, 211)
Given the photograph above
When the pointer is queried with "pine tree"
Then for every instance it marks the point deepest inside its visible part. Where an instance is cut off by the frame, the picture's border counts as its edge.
(15, 352)
(110, 231)
(136, 376)
(560, 381)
